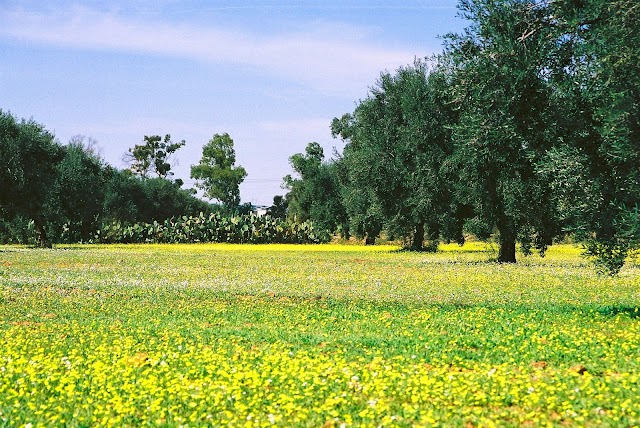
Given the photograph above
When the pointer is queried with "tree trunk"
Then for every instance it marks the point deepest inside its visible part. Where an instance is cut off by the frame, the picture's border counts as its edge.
(433, 237)
(507, 253)
(345, 233)
(370, 240)
(41, 235)
(418, 237)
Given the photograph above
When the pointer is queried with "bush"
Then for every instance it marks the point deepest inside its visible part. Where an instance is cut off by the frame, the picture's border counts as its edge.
(239, 229)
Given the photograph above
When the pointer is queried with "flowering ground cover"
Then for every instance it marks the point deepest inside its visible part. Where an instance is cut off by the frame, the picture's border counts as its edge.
(328, 335)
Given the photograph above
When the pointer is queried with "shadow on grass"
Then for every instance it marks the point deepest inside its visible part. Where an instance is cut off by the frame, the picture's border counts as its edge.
(539, 310)
(21, 248)
(613, 310)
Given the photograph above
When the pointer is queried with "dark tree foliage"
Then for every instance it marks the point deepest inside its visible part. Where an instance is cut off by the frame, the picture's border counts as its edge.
(74, 207)
(364, 214)
(501, 66)
(279, 207)
(130, 199)
(28, 158)
(66, 193)
(398, 139)
(315, 195)
(595, 169)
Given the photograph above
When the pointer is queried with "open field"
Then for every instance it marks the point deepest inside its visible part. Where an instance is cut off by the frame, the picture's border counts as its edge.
(196, 335)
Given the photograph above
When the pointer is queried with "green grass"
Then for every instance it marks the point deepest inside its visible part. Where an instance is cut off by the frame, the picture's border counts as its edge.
(168, 335)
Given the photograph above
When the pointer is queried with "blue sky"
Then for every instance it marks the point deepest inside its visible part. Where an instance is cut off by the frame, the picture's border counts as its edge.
(271, 73)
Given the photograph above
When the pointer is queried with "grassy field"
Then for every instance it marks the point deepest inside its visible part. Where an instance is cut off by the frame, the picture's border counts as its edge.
(223, 335)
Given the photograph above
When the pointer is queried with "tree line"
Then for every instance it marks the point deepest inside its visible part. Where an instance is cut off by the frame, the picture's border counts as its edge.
(68, 193)
(525, 127)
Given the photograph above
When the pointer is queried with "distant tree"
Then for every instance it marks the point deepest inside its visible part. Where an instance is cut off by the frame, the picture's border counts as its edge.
(165, 199)
(244, 209)
(68, 192)
(315, 193)
(29, 155)
(217, 174)
(279, 207)
(153, 156)
(124, 193)
(364, 212)
(131, 199)
(76, 201)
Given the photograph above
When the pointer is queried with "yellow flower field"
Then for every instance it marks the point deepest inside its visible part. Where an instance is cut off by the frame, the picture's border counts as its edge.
(225, 335)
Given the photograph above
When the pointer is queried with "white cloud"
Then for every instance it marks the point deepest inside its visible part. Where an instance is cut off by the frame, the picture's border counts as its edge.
(327, 58)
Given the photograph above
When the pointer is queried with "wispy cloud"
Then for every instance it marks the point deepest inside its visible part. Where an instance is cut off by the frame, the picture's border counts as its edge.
(327, 58)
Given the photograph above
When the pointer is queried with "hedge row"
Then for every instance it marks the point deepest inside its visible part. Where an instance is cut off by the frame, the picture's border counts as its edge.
(214, 227)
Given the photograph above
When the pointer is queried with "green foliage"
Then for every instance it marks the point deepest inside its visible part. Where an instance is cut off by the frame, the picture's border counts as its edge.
(397, 140)
(216, 173)
(18, 230)
(75, 204)
(215, 227)
(610, 255)
(315, 195)
(153, 156)
(279, 207)
(600, 90)
(506, 124)
(29, 154)
(65, 193)
(527, 125)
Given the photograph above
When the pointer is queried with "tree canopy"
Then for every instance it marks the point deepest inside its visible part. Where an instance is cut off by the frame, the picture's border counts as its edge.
(29, 155)
(153, 156)
(525, 128)
(217, 174)
(397, 140)
(314, 193)
(67, 192)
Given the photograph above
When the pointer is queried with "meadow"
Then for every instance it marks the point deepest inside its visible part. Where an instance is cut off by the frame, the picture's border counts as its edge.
(314, 335)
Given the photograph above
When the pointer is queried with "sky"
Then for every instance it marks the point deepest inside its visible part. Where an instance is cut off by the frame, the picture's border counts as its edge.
(270, 73)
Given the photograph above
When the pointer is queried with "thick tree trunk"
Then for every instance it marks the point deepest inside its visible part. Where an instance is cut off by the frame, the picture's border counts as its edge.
(370, 240)
(418, 237)
(507, 253)
(41, 235)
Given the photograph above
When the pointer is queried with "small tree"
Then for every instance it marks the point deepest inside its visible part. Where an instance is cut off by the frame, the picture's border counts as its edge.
(153, 156)
(217, 174)
(315, 195)
(279, 207)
